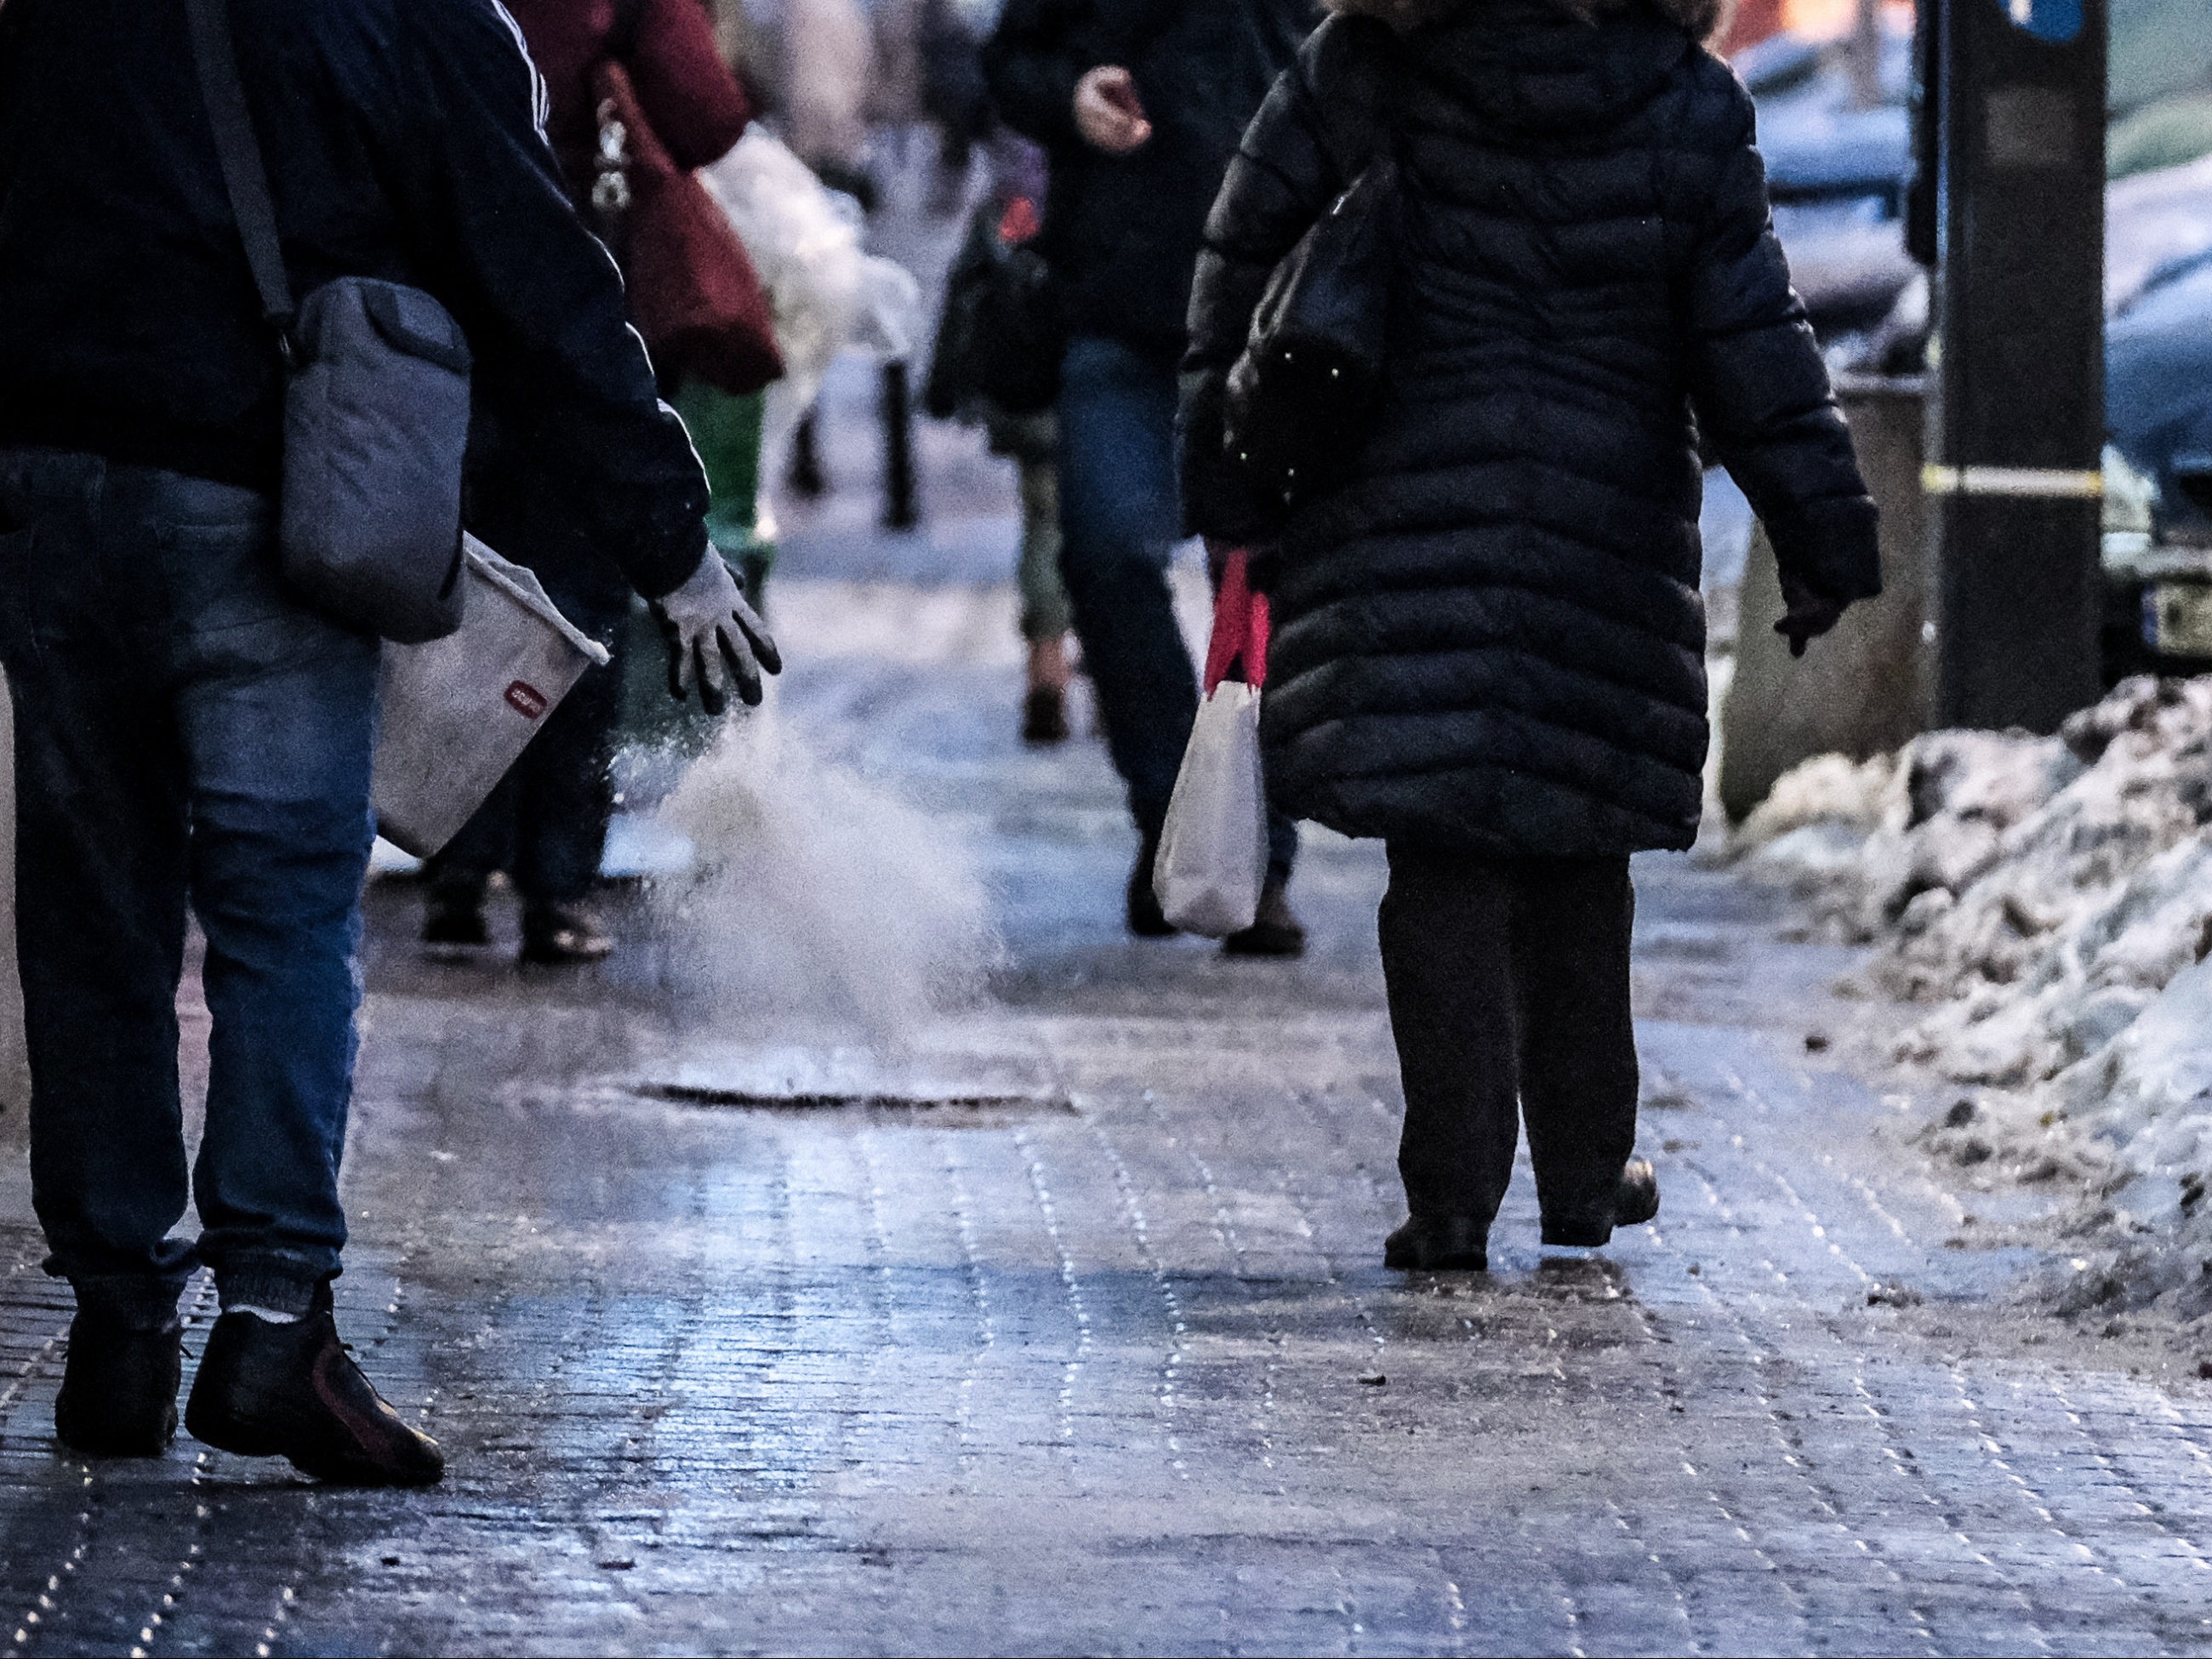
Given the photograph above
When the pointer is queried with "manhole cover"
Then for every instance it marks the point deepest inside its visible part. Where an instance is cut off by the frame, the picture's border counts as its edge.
(795, 1079)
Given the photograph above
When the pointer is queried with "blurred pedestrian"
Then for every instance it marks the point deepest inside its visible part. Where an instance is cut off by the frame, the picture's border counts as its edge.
(829, 65)
(1139, 103)
(954, 94)
(546, 823)
(189, 731)
(1488, 646)
(960, 372)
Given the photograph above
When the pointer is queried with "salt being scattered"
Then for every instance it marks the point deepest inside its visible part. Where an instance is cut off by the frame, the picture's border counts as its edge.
(819, 902)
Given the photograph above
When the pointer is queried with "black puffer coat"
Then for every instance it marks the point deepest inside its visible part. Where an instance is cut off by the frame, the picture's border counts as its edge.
(1492, 636)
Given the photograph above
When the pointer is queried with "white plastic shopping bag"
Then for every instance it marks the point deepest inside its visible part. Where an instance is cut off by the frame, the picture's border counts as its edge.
(1213, 853)
(1213, 858)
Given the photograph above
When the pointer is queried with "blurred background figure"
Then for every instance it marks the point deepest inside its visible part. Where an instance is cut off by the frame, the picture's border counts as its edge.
(1140, 107)
(963, 377)
(546, 823)
(827, 63)
(955, 97)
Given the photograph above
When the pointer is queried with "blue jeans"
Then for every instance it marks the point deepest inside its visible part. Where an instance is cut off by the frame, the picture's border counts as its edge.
(185, 732)
(1120, 514)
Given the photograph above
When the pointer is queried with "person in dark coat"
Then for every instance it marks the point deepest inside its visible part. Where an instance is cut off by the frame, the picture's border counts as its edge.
(1489, 649)
(1140, 105)
(189, 736)
(546, 823)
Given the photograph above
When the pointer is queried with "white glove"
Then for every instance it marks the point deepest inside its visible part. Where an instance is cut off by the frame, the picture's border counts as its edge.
(715, 637)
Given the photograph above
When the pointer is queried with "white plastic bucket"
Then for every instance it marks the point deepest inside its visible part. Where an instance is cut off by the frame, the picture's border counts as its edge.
(458, 712)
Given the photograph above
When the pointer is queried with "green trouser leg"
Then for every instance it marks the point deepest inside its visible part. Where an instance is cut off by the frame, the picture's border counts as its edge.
(725, 430)
(726, 433)
(1045, 613)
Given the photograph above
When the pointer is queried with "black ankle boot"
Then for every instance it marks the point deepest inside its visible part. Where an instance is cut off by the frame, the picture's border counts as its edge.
(119, 1395)
(455, 915)
(1633, 1201)
(293, 1391)
(1275, 930)
(1434, 1243)
(1145, 918)
(563, 936)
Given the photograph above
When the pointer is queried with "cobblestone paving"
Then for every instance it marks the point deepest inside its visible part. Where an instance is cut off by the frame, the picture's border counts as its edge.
(1119, 1370)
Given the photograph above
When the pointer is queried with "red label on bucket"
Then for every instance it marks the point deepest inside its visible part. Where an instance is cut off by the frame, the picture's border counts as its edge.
(525, 700)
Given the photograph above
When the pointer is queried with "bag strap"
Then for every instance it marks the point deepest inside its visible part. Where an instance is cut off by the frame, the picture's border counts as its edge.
(245, 177)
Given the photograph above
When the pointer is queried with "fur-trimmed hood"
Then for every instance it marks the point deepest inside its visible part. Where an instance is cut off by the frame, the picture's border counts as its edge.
(1703, 19)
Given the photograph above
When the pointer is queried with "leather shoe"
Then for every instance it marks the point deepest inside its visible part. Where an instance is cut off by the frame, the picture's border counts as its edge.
(292, 1390)
(1146, 919)
(1275, 930)
(1635, 1200)
(118, 1396)
(563, 936)
(1439, 1242)
(455, 919)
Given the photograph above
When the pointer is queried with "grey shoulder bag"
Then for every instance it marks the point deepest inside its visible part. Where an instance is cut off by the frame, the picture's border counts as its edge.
(376, 402)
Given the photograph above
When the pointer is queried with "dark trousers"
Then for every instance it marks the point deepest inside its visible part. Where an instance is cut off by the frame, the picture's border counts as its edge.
(184, 731)
(1121, 516)
(546, 823)
(1508, 981)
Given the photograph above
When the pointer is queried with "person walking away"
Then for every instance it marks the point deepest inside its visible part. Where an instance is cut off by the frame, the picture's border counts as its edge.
(1140, 105)
(546, 823)
(186, 730)
(1006, 218)
(1488, 646)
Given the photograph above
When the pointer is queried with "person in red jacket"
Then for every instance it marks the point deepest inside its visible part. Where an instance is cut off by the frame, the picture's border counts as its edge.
(546, 823)
(698, 109)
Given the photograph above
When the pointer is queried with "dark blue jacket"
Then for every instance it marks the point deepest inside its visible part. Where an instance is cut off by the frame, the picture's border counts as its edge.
(1123, 232)
(403, 140)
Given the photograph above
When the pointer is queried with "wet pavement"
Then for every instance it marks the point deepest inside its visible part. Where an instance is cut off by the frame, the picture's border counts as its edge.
(1105, 1359)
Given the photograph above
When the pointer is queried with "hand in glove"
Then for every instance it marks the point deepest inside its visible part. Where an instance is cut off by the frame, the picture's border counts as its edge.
(1808, 613)
(714, 638)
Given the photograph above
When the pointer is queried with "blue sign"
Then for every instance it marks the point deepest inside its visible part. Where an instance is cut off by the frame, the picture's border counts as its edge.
(2054, 21)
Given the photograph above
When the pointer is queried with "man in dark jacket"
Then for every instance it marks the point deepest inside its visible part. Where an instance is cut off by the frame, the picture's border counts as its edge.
(184, 729)
(1140, 104)
(1488, 644)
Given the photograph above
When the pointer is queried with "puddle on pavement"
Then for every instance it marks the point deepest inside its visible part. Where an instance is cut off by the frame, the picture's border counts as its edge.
(795, 1079)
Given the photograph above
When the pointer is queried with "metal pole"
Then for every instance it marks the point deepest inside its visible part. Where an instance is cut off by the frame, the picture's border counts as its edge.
(2016, 362)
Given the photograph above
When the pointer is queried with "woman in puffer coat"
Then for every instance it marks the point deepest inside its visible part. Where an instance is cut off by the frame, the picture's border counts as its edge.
(1489, 649)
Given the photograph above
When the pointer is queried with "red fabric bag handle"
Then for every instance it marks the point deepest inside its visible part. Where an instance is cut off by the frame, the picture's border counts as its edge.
(1240, 627)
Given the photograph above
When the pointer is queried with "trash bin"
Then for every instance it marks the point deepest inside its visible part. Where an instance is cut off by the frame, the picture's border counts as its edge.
(458, 712)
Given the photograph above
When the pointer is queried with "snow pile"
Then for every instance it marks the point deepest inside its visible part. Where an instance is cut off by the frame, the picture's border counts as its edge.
(2039, 891)
(818, 902)
(2052, 898)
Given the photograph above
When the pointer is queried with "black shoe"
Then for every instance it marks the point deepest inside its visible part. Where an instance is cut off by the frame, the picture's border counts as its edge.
(1275, 930)
(119, 1395)
(1635, 1200)
(1439, 1243)
(454, 918)
(293, 1391)
(1044, 715)
(1146, 918)
(563, 936)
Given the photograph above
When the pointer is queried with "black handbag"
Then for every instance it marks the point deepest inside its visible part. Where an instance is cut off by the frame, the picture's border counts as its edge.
(998, 343)
(1300, 396)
